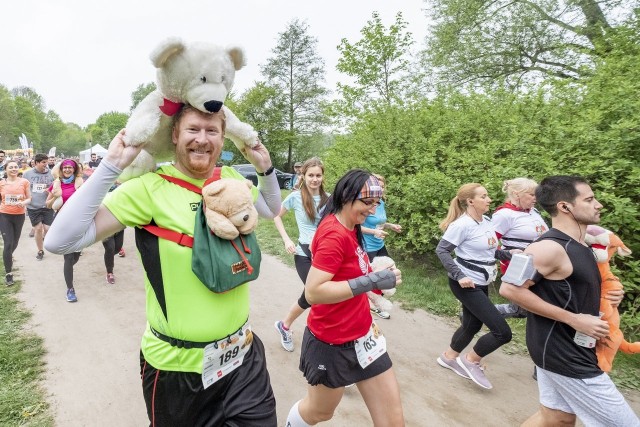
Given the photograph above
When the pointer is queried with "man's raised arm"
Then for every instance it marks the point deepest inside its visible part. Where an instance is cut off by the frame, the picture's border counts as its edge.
(84, 220)
(269, 200)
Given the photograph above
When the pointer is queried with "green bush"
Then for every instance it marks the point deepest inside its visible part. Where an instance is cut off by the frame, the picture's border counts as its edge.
(427, 150)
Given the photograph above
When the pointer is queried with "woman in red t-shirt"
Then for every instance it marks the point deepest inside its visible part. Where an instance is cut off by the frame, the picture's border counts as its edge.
(341, 344)
(16, 195)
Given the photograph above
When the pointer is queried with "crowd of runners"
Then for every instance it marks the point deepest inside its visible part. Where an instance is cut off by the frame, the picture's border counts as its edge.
(202, 364)
(37, 191)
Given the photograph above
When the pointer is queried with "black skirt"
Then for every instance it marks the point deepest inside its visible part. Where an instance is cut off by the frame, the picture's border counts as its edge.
(336, 366)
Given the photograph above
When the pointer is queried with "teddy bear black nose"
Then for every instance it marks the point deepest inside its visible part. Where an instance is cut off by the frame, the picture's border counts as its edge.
(213, 106)
(245, 218)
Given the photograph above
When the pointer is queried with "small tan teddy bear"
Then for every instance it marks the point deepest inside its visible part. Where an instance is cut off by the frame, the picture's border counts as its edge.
(229, 208)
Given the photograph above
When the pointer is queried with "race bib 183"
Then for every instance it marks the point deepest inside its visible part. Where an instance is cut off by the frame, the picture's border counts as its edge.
(371, 346)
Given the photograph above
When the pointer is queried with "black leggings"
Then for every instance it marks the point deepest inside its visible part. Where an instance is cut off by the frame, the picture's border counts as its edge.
(11, 226)
(112, 246)
(477, 309)
(303, 265)
(69, 261)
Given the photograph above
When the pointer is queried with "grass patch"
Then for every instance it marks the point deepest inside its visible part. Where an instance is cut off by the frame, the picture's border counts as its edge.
(22, 401)
(425, 286)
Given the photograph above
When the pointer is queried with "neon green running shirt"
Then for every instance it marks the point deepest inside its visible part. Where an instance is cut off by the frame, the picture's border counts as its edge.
(177, 303)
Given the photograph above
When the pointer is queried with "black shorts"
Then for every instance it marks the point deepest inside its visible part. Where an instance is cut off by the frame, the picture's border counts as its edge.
(43, 215)
(380, 252)
(336, 365)
(242, 398)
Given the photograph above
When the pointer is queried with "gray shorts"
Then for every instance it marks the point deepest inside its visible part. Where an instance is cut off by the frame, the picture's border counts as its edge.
(595, 401)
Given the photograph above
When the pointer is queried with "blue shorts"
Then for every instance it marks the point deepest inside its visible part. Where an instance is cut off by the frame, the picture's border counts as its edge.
(596, 401)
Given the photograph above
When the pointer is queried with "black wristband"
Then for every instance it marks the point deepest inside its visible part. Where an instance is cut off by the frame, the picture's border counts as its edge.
(266, 173)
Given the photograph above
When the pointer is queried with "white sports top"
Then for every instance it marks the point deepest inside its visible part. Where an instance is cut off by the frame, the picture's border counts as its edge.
(517, 227)
(474, 241)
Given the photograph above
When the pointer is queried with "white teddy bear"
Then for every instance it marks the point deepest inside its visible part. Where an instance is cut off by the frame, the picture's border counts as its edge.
(199, 74)
(380, 263)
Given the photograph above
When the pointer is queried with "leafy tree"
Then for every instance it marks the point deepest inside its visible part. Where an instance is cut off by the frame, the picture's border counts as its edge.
(52, 130)
(379, 63)
(73, 140)
(30, 95)
(520, 40)
(8, 118)
(297, 71)
(264, 107)
(27, 121)
(106, 127)
(140, 93)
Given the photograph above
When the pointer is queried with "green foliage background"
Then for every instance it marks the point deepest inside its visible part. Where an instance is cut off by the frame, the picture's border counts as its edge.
(393, 115)
(427, 150)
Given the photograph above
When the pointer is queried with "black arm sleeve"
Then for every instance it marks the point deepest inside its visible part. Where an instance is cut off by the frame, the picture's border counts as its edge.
(443, 250)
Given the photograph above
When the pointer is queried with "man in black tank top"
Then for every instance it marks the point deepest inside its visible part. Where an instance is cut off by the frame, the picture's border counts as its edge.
(563, 321)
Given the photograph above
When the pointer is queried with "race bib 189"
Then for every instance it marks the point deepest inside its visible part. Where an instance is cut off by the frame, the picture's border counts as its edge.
(225, 356)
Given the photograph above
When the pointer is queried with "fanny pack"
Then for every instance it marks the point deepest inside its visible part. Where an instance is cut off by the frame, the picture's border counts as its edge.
(477, 266)
(220, 264)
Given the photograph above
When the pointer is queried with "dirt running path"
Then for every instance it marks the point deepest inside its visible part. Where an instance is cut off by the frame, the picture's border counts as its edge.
(93, 345)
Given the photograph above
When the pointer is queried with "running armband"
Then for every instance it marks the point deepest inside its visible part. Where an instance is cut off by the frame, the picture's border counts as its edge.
(385, 279)
(520, 270)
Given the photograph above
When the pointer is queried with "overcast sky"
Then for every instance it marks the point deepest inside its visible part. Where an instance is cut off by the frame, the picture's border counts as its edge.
(86, 57)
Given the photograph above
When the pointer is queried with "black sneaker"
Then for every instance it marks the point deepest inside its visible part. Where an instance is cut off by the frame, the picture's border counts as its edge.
(40, 255)
(9, 279)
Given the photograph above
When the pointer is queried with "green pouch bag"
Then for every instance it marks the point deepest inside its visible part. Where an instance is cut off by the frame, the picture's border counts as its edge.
(223, 264)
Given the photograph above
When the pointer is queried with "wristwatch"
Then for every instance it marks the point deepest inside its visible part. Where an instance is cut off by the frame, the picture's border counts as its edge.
(266, 173)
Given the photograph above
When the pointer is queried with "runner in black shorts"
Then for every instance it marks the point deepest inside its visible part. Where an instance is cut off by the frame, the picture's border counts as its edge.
(342, 345)
(242, 398)
(185, 383)
(41, 217)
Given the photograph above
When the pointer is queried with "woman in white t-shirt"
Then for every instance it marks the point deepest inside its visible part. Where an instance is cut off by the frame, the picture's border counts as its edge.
(471, 235)
(306, 205)
(517, 224)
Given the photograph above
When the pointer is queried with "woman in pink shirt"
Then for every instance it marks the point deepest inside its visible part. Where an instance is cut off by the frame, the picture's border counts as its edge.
(68, 181)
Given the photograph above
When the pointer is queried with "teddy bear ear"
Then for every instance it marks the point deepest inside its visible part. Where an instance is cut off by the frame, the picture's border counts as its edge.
(249, 183)
(214, 188)
(237, 57)
(165, 50)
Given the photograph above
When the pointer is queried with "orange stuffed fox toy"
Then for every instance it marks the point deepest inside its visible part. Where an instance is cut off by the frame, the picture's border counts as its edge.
(605, 244)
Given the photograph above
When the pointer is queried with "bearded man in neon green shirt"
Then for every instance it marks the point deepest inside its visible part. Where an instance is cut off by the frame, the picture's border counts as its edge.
(200, 362)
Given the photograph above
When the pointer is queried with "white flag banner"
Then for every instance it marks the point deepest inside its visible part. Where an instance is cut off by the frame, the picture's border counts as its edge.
(52, 152)
(24, 143)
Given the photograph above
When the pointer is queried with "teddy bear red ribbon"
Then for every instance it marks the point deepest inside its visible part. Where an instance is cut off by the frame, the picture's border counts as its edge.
(170, 108)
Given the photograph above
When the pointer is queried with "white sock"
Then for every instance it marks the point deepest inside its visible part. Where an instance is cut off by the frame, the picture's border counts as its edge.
(294, 419)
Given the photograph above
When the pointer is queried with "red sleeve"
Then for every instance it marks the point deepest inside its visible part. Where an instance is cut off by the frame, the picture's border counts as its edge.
(328, 251)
